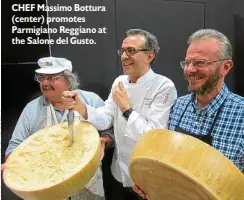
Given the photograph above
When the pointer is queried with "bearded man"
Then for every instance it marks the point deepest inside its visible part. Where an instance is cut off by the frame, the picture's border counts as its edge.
(211, 112)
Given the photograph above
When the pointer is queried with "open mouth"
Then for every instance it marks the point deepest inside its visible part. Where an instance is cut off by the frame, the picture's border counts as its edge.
(47, 88)
(195, 78)
(127, 64)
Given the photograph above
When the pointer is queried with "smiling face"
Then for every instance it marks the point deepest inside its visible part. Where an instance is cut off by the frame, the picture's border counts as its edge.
(204, 80)
(138, 64)
(52, 89)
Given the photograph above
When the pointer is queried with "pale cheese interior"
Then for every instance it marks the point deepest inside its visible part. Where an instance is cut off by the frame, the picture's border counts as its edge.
(45, 159)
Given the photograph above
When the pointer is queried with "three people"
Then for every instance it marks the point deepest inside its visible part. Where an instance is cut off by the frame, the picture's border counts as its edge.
(141, 100)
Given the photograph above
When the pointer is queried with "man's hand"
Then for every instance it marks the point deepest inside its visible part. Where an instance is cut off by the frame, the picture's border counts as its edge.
(104, 140)
(120, 97)
(139, 191)
(3, 166)
(103, 143)
(72, 101)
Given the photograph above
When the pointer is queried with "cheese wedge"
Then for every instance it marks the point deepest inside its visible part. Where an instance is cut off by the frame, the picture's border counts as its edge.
(43, 167)
(173, 166)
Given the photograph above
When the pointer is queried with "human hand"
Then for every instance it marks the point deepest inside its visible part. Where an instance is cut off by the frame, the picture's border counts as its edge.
(3, 166)
(139, 191)
(103, 143)
(72, 101)
(120, 97)
(104, 140)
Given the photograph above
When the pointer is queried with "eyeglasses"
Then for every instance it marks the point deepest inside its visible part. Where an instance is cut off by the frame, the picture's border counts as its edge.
(130, 51)
(51, 78)
(199, 63)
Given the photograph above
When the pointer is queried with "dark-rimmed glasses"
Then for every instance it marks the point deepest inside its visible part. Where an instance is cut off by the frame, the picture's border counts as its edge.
(199, 63)
(130, 51)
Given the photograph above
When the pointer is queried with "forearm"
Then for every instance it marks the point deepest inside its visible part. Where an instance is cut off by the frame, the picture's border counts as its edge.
(6, 157)
(137, 125)
(82, 109)
(153, 116)
(99, 117)
(13, 143)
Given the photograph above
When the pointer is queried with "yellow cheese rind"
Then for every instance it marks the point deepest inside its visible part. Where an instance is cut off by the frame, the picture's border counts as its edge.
(44, 167)
(171, 165)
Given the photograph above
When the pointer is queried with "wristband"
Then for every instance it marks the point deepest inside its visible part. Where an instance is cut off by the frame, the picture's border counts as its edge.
(127, 113)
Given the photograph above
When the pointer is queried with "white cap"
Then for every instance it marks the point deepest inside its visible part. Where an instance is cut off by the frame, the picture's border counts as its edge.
(53, 65)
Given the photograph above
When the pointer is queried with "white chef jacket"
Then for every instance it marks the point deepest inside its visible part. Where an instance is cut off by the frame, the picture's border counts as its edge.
(151, 98)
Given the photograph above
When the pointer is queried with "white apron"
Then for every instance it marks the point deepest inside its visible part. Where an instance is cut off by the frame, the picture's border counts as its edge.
(94, 189)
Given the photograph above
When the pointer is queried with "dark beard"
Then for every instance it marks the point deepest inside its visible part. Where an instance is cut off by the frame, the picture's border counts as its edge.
(209, 85)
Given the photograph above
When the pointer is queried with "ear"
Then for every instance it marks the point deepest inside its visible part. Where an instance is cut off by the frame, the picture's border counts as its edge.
(226, 67)
(151, 56)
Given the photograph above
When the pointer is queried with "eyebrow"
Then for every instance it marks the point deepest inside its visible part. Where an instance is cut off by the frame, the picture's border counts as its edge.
(200, 59)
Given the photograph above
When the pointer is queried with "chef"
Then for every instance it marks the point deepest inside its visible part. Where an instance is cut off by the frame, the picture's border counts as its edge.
(140, 100)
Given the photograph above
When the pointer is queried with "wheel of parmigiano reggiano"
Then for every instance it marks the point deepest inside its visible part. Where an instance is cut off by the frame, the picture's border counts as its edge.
(43, 167)
(172, 166)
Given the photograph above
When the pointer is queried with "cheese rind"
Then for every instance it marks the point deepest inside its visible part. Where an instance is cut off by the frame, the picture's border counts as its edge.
(44, 167)
(171, 165)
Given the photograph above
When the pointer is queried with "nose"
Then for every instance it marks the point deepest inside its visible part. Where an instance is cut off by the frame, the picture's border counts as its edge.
(190, 67)
(45, 81)
(124, 55)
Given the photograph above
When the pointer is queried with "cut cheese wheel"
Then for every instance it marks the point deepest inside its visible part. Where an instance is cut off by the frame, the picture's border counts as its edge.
(173, 166)
(43, 167)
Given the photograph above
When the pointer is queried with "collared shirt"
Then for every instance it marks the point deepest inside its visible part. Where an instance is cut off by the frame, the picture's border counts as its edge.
(228, 132)
(151, 98)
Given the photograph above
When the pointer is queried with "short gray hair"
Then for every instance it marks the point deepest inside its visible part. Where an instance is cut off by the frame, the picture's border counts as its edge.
(151, 41)
(225, 45)
(72, 79)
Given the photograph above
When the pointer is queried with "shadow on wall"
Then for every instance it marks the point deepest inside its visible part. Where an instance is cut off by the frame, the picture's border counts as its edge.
(238, 53)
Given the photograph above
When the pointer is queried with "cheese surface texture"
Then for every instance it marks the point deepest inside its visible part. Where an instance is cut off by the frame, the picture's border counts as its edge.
(170, 165)
(44, 167)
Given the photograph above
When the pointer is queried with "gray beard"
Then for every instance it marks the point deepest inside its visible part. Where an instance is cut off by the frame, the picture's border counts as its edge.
(208, 86)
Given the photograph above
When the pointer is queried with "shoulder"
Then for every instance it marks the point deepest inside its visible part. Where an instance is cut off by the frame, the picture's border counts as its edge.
(164, 79)
(164, 82)
(34, 103)
(90, 98)
(235, 101)
(32, 107)
(162, 85)
(184, 99)
(177, 109)
(87, 94)
(181, 102)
